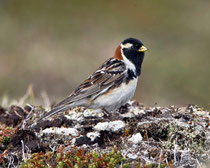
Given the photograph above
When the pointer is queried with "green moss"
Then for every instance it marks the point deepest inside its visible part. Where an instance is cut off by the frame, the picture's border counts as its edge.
(163, 165)
(76, 158)
(126, 165)
(5, 140)
(60, 165)
(151, 165)
(6, 133)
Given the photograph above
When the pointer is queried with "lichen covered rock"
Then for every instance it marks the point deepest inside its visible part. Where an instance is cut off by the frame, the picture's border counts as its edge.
(141, 136)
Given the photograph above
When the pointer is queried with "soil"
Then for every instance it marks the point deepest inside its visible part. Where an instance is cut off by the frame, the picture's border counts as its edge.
(176, 135)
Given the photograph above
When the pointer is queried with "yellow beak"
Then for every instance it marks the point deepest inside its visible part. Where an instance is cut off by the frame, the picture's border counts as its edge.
(142, 49)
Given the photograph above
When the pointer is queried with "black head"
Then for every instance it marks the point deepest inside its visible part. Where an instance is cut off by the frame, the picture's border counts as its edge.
(135, 42)
(133, 50)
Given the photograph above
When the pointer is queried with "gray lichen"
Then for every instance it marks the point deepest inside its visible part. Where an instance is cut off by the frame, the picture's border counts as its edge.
(167, 136)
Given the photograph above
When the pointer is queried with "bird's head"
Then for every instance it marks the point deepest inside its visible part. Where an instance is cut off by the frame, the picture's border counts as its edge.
(131, 51)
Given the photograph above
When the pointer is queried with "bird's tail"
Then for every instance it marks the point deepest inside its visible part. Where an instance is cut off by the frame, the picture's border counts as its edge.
(54, 111)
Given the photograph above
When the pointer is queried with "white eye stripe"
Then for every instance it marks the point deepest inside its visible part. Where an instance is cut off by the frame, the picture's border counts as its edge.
(127, 45)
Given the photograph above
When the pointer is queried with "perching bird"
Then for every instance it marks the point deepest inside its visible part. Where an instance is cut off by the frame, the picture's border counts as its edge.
(110, 86)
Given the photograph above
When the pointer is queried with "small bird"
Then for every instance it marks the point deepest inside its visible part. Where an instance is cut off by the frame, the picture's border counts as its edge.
(110, 86)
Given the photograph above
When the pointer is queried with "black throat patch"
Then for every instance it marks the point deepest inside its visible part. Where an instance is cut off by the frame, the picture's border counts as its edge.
(131, 76)
(136, 58)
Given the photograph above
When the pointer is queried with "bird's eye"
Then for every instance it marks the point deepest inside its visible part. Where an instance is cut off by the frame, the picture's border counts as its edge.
(134, 47)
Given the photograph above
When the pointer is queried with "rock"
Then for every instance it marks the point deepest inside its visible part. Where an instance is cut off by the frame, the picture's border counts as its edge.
(136, 139)
(102, 126)
(132, 156)
(93, 135)
(26, 139)
(75, 115)
(113, 126)
(83, 140)
(61, 131)
(173, 136)
(93, 113)
(14, 117)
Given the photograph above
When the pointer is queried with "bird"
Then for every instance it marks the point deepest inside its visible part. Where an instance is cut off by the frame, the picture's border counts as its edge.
(112, 85)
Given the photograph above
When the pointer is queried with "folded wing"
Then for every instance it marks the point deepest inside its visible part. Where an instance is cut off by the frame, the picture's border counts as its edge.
(112, 72)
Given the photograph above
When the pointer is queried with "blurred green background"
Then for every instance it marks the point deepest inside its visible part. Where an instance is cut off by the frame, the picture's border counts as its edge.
(55, 45)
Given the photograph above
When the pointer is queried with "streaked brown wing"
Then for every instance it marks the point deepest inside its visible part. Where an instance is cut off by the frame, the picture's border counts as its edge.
(110, 73)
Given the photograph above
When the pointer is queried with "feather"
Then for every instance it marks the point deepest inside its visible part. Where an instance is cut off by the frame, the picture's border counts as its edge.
(108, 75)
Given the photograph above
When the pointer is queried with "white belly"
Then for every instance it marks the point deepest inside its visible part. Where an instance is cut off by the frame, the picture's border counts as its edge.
(117, 97)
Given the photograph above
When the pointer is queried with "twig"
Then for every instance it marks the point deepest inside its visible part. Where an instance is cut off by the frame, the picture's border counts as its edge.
(23, 151)
(29, 93)
(27, 117)
(46, 99)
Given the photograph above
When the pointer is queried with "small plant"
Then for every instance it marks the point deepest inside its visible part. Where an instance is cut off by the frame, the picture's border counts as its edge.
(5, 134)
(3, 155)
(37, 160)
(75, 158)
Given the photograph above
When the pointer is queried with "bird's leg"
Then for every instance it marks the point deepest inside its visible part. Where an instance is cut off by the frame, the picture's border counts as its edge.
(106, 113)
(116, 115)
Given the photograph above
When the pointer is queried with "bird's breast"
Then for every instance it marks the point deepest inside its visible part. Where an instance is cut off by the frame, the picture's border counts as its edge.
(116, 96)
